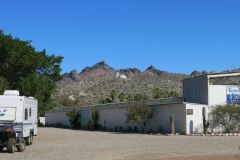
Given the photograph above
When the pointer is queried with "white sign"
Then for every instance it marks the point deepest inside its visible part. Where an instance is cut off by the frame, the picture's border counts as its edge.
(7, 114)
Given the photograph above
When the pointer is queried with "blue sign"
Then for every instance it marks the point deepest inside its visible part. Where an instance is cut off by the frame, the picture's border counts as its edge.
(233, 94)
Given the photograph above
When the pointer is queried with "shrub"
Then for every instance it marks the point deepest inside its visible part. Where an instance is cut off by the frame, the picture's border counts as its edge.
(74, 119)
(140, 113)
(94, 122)
(95, 119)
(227, 116)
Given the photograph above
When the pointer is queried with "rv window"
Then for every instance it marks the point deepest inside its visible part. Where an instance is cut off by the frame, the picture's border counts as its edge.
(30, 112)
(26, 114)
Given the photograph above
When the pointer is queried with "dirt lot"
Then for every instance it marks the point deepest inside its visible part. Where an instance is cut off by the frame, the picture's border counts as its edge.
(63, 144)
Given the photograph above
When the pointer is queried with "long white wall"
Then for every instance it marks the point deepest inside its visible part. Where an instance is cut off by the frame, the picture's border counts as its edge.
(111, 118)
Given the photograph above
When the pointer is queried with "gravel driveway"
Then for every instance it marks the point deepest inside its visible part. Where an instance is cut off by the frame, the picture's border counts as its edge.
(64, 144)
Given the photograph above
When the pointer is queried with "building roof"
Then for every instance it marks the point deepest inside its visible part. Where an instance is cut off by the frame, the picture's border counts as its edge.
(217, 75)
(124, 104)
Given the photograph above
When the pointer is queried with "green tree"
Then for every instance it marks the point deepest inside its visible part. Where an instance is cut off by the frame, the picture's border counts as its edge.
(3, 85)
(32, 72)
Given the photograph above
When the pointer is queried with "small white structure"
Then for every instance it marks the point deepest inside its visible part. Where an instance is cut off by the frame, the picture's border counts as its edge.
(20, 111)
(120, 76)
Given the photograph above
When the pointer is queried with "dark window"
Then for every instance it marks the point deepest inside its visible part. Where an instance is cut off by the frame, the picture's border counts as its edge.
(30, 112)
(189, 111)
(26, 114)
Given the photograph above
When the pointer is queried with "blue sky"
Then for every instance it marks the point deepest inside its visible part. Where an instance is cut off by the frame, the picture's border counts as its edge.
(173, 35)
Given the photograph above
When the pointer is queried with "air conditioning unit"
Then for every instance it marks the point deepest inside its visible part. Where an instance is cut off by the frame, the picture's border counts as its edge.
(11, 93)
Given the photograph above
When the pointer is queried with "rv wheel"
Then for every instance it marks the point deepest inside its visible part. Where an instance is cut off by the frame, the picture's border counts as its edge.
(21, 146)
(11, 143)
(29, 140)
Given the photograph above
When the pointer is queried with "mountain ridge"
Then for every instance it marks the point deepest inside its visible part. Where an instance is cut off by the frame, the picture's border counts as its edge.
(96, 82)
(102, 69)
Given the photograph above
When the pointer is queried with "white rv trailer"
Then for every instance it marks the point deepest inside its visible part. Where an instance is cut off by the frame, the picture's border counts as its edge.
(20, 111)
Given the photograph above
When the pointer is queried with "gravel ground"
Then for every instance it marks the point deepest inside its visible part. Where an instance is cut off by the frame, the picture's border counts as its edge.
(64, 144)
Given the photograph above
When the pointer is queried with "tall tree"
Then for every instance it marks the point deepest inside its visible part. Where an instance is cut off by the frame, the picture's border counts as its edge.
(32, 72)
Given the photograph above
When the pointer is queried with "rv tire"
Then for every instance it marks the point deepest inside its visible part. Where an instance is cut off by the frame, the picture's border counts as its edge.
(29, 140)
(21, 146)
(11, 143)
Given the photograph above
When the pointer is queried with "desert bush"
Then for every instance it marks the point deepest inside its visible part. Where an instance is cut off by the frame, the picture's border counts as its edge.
(227, 116)
(140, 97)
(122, 97)
(159, 93)
(139, 113)
(74, 119)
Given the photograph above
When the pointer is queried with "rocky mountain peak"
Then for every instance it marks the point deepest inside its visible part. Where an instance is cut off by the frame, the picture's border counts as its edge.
(100, 65)
(74, 75)
(130, 71)
(154, 70)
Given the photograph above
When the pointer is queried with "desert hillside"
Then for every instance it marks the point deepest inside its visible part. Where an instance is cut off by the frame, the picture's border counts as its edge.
(94, 84)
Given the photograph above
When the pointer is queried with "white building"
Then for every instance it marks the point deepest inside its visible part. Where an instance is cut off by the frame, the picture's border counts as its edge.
(209, 91)
(198, 92)
(120, 76)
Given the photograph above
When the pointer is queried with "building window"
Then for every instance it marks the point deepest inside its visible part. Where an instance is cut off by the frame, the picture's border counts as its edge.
(189, 111)
(26, 114)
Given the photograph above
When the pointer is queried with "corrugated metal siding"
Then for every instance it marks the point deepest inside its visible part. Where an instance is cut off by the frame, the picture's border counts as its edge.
(57, 117)
(195, 90)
